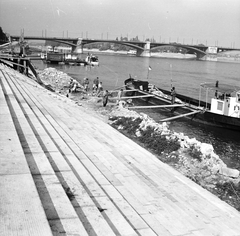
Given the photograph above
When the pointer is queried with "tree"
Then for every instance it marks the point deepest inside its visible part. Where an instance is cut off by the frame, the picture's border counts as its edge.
(135, 39)
(3, 37)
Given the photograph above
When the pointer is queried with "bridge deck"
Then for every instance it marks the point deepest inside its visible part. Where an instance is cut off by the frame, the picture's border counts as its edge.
(64, 171)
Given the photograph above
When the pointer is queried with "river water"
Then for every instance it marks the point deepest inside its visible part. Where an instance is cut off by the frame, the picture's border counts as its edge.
(185, 75)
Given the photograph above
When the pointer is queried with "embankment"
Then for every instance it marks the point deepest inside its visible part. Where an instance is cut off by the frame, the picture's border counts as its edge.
(194, 159)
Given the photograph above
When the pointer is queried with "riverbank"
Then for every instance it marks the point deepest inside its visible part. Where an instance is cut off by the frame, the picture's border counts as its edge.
(230, 56)
(192, 158)
(153, 54)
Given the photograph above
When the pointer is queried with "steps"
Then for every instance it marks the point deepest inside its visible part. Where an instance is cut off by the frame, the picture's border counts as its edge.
(85, 178)
(55, 169)
(21, 211)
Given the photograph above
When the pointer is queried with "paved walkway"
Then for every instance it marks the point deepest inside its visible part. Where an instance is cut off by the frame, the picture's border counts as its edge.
(66, 172)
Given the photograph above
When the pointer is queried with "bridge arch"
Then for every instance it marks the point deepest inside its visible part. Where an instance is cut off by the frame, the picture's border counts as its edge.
(140, 47)
(125, 43)
(199, 53)
(64, 42)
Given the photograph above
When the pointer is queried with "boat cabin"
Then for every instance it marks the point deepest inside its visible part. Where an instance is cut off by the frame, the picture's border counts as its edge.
(226, 101)
(137, 84)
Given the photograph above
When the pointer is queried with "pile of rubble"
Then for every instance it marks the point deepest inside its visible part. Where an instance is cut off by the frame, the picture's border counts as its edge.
(54, 79)
(206, 168)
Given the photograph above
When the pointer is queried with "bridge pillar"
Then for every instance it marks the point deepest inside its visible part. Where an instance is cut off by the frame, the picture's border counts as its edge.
(211, 54)
(209, 57)
(79, 47)
(146, 52)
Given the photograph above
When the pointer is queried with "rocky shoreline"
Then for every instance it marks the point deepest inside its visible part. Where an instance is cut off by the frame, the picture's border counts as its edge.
(194, 159)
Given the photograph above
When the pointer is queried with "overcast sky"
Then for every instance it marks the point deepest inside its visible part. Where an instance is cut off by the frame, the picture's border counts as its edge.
(211, 22)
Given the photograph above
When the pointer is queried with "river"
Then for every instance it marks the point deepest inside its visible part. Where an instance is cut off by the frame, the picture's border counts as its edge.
(185, 75)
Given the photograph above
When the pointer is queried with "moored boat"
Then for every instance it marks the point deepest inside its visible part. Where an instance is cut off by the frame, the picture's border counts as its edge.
(222, 109)
(63, 58)
(92, 60)
(74, 59)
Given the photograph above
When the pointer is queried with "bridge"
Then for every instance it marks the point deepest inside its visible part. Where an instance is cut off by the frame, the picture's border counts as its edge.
(142, 48)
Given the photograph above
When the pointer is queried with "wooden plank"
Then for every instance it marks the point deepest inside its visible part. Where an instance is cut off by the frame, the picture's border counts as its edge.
(114, 217)
(21, 211)
(167, 187)
(158, 106)
(180, 116)
(54, 198)
(58, 162)
(57, 205)
(58, 141)
(29, 142)
(131, 97)
(12, 160)
(146, 232)
(38, 164)
(155, 225)
(160, 178)
(86, 209)
(67, 226)
(127, 210)
(6, 123)
(112, 163)
(86, 177)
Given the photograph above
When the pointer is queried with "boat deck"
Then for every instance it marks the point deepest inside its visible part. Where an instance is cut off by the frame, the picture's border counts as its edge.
(64, 171)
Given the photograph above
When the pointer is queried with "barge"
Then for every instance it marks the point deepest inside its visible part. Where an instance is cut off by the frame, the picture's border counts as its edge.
(223, 110)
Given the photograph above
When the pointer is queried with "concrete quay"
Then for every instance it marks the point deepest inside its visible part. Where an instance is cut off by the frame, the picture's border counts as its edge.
(64, 171)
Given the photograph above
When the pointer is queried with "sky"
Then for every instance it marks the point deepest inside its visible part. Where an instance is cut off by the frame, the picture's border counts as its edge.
(210, 22)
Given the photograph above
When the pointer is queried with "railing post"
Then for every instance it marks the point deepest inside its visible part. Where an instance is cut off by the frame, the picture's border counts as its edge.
(200, 95)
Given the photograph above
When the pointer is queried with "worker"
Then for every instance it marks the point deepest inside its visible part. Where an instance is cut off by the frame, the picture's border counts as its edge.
(86, 84)
(120, 93)
(95, 84)
(173, 94)
(105, 97)
(100, 88)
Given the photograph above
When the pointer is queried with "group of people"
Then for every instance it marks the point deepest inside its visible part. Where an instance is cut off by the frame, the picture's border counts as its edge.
(106, 95)
(73, 85)
(97, 87)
